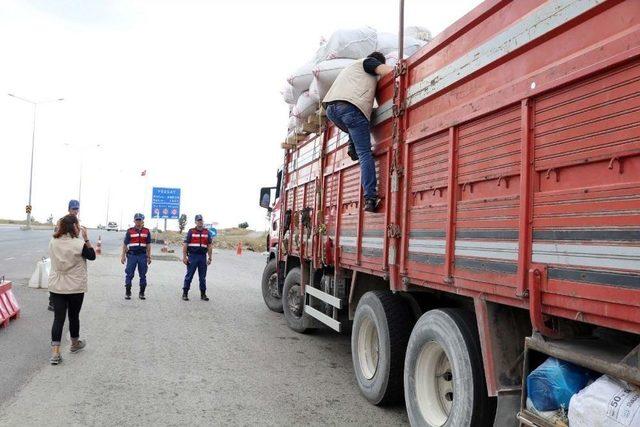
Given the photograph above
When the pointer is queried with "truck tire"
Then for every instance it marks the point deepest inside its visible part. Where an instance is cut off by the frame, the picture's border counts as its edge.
(444, 382)
(270, 291)
(381, 329)
(293, 302)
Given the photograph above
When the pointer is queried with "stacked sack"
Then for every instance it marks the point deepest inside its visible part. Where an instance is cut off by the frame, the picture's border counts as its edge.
(308, 85)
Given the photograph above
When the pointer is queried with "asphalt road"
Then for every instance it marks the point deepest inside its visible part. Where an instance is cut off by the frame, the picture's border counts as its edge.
(164, 361)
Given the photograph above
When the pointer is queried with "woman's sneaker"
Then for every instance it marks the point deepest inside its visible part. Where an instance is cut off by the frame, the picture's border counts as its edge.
(55, 359)
(79, 345)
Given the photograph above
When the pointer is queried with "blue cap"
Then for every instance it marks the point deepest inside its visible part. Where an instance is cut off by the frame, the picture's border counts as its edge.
(74, 204)
(138, 216)
(198, 217)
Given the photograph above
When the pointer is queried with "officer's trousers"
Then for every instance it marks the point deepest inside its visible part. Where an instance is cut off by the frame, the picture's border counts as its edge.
(139, 261)
(199, 262)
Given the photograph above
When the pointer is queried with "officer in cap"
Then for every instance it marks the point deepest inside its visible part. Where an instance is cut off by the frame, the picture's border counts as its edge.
(196, 254)
(136, 251)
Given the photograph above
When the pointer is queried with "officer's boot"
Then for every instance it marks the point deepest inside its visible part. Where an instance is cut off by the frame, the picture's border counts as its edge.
(203, 296)
(185, 295)
(141, 295)
(127, 294)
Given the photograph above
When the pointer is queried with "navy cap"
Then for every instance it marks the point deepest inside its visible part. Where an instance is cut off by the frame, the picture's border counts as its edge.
(198, 217)
(74, 204)
(138, 216)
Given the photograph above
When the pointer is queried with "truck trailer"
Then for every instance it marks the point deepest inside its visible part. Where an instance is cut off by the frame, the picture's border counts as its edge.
(508, 160)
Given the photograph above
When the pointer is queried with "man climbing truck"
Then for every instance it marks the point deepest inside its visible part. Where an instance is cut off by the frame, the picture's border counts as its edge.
(508, 232)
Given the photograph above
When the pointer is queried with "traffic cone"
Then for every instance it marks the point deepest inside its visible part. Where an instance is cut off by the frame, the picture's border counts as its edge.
(99, 246)
(239, 249)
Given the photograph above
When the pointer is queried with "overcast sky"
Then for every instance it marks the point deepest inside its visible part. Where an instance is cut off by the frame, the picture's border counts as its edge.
(187, 90)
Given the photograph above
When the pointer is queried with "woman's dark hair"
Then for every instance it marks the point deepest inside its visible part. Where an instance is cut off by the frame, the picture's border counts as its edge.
(66, 225)
(379, 56)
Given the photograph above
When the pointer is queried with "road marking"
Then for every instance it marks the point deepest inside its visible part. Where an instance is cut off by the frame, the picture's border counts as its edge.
(9, 259)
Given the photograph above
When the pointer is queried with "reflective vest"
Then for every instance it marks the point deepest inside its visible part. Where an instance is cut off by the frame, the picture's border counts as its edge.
(137, 238)
(199, 238)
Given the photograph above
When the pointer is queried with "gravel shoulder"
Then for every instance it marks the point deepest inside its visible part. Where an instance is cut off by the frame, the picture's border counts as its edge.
(170, 362)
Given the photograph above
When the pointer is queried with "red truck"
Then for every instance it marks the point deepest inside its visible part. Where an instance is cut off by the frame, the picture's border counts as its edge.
(508, 160)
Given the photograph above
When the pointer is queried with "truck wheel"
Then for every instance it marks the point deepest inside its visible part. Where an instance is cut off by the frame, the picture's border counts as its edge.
(444, 382)
(293, 302)
(379, 336)
(270, 291)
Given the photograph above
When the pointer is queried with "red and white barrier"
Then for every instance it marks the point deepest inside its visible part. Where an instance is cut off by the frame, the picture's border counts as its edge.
(9, 308)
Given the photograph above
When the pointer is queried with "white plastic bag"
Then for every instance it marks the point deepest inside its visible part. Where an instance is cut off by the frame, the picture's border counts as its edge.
(607, 402)
(301, 78)
(349, 43)
(305, 106)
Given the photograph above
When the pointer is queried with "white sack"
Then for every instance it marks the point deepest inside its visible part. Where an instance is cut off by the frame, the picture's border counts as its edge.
(607, 402)
(392, 58)
(290, 94)
(420, 33)
(325, 73)
(387, 42)
(301, 78)
(315, 92)
(293, 123)
(353, 43)
(305, 106)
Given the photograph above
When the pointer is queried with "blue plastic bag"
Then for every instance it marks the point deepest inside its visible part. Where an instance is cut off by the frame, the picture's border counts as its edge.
(551, 385)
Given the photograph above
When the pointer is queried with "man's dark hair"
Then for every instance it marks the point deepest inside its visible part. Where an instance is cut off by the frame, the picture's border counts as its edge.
(377, 55)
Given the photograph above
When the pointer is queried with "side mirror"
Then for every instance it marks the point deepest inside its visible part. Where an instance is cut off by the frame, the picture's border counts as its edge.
(265, 197)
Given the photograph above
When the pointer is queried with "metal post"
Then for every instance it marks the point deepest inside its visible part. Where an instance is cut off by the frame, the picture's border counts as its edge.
(165, 225)
(401, 33)
(80, 183)
(108, 200)
(33, 143)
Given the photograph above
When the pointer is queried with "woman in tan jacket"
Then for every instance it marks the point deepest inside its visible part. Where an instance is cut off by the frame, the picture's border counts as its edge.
(68, 281)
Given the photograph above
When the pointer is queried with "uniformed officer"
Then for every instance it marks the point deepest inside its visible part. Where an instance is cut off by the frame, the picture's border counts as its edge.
(196, 254)
(136, 251)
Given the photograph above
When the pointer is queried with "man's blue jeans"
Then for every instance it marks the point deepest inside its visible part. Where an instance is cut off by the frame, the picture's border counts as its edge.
(348, 118)
(196, 262)
(139, 261)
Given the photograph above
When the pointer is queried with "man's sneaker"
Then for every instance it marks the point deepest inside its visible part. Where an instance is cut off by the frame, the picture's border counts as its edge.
(79, 345)
(371, 205)
(55, 359)
(351, 151)
(127, 294)
(185, 296)
(141, 295)
(204, 296)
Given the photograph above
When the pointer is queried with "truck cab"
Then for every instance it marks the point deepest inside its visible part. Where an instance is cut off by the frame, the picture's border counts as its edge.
(273, 274)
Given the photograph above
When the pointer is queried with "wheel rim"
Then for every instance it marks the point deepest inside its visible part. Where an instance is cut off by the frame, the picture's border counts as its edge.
(294, 300)
(368, 348)
(273, 286)
(434, 384)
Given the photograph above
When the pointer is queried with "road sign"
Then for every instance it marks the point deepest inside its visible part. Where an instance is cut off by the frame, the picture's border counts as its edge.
(165, 203)
(213, 232)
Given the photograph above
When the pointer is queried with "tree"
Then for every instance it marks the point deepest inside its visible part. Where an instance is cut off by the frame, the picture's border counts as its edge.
(182, 222)
(50, 220)
(243, 225)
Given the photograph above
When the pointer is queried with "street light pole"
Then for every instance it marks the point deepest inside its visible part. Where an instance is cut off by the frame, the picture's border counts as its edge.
(33, 144)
